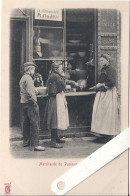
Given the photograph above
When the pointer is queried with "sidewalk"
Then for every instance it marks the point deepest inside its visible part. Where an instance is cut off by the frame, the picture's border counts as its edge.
(74, 147)
(16, 134)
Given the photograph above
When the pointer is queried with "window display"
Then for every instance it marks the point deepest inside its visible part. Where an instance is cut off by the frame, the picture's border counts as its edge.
(48, 43)
(69, 42)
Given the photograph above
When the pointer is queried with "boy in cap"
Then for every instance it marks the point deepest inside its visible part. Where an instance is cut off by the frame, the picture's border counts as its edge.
(29, 109)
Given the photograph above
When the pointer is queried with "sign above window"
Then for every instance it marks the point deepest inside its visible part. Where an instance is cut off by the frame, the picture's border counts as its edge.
(48, 14)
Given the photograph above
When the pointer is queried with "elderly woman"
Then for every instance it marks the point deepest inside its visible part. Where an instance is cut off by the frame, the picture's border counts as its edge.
(105, 109)
(56, 112)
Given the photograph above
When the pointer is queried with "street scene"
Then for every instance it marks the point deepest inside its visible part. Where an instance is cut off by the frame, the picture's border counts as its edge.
(64, 81)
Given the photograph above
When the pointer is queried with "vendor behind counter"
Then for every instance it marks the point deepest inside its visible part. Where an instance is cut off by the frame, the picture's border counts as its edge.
(83, 71)
(85, 77)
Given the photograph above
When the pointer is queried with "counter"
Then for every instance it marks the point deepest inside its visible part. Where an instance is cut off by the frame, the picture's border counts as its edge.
(73, 94)
(80, 105)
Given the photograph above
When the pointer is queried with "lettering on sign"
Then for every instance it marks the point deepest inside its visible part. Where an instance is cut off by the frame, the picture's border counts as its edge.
(48, 14)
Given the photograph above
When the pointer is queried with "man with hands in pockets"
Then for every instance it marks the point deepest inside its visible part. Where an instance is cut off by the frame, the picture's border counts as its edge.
(30, 121)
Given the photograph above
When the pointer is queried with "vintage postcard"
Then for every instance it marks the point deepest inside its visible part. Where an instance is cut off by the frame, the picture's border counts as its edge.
(64, 94)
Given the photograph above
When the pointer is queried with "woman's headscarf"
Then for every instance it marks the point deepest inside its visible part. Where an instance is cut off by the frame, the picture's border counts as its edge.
(55, 65)
(106, 56)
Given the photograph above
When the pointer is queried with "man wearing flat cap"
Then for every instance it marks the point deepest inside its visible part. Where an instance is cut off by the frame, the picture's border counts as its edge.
(29, 109)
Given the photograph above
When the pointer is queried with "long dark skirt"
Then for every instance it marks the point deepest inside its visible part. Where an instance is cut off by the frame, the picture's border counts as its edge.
(50, 115)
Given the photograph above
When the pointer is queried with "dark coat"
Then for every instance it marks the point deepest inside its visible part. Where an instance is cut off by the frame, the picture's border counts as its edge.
(55, 85)
(108, 77)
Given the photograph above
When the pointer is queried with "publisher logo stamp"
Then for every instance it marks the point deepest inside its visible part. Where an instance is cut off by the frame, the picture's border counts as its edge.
(7, 188)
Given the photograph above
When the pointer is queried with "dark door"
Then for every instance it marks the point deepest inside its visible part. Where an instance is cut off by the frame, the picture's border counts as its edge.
(17, 57)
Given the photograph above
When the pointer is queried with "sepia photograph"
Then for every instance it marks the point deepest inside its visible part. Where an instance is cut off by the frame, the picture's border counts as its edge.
(64, 97)
(64, 81)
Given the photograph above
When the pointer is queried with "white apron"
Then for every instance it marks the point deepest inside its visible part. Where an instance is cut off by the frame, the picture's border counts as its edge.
(62, 112)
(105, 113)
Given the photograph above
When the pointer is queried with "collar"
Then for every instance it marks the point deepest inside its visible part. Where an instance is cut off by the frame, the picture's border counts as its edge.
(27, 74)
(106, 66)
(58, 74)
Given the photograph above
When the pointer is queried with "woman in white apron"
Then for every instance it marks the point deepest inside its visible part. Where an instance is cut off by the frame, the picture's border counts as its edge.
(105, 109)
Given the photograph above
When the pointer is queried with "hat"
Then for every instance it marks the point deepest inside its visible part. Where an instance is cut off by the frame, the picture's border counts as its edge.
(27, 64)
(106, 56)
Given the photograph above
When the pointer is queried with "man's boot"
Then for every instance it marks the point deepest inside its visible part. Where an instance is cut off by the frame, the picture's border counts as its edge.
(54, 143)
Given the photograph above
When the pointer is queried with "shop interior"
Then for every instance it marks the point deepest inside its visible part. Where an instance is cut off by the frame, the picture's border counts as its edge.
(72, 40)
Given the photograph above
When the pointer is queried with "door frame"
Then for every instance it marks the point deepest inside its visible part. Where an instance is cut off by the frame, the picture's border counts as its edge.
(26, 21)
(27, 38)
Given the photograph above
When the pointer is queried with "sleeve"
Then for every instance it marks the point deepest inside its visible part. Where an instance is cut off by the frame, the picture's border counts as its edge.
(55, 85)
(60, 84)
(51, 88)
(111, 77)
(103, 76)
(30, 89)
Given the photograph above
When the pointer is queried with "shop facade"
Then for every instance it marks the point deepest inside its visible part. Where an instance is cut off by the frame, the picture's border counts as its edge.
(77, 37)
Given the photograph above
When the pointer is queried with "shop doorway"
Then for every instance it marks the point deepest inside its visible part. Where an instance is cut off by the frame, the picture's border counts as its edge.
(81, 43)
(17, 58)
(81, 51)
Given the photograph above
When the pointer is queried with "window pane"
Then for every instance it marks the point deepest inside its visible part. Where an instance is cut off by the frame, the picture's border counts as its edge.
(48, 43)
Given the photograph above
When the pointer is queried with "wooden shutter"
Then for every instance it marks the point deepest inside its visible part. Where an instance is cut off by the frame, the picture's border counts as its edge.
(109, 41)
(109, 38)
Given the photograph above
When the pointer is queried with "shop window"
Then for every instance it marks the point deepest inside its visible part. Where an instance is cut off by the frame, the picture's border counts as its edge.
(48, 43)
(80, 46)
(71, 40)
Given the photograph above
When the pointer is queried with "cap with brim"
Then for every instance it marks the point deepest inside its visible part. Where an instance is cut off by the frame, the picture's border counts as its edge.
(27, 64)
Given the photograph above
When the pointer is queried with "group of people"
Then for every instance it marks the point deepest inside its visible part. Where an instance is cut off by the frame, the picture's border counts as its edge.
(105, 110)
